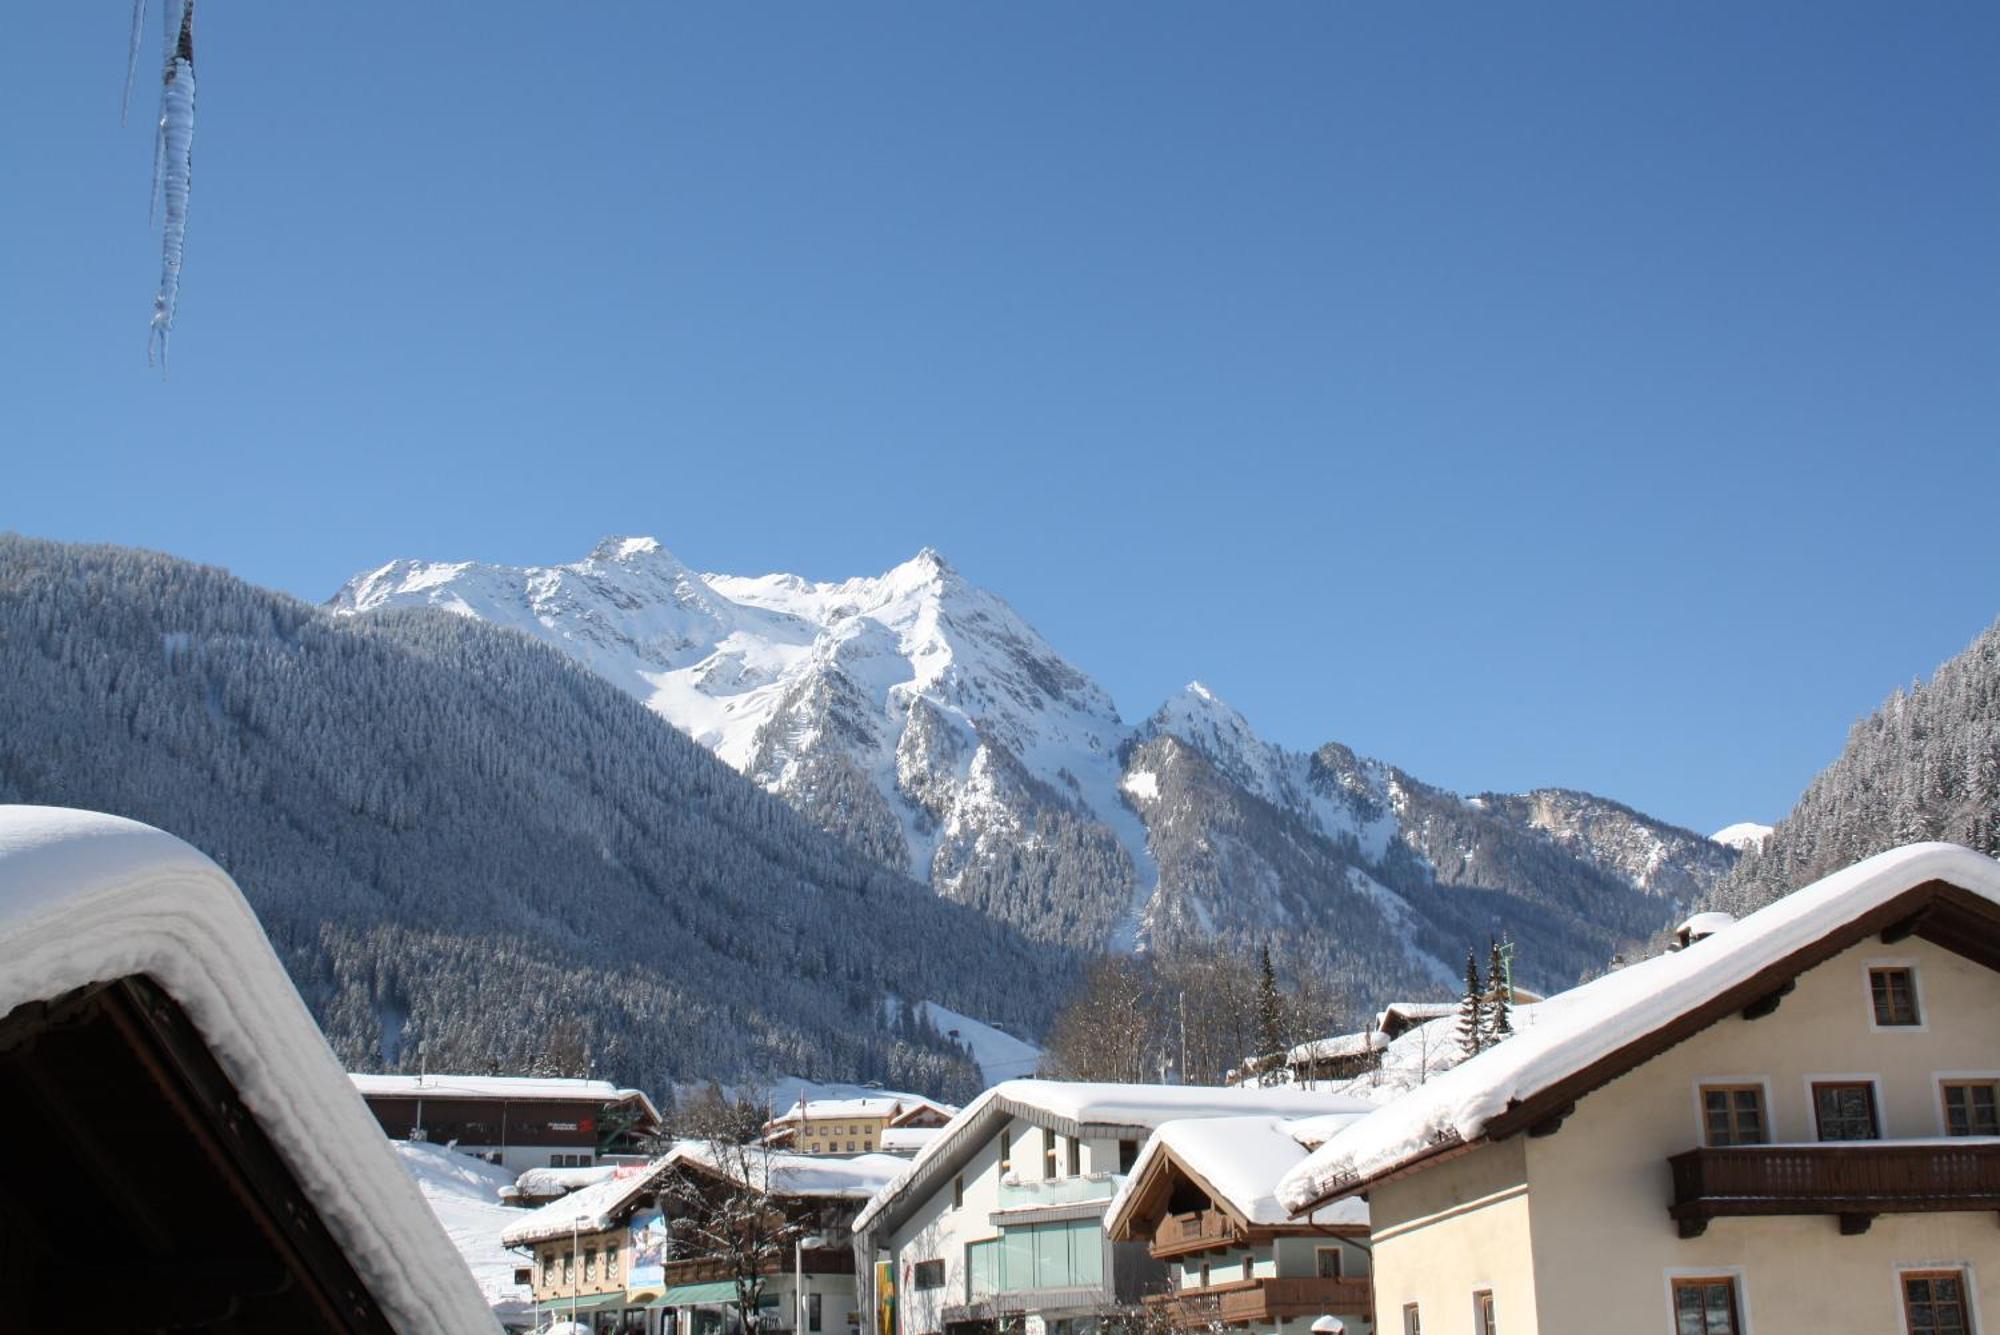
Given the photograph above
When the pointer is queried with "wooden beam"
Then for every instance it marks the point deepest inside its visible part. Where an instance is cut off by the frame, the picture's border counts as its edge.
(1551, 1124)
(1904, 928)
(1768, 1003)
(1854, 1225)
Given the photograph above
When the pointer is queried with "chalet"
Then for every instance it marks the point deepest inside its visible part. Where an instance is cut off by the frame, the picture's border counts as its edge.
(1203, 1198)
(518, 1122)
(1790, 1125)
(178, 1116)
(612, 1255)
(1001, 1217)
(854, 1126)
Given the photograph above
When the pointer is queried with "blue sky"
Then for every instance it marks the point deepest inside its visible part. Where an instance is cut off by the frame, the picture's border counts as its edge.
(1570, 393)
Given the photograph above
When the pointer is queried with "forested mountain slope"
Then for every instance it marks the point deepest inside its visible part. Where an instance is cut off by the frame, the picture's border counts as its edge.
(453, 833)
(1926, 765)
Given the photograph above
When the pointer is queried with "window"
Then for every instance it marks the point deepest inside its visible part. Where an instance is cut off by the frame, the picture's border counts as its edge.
(548, 1267)
(524, 1275)
(1006, 1151)
(1482, 1313)
(569, 1266)
(589, 1264)
(1128, 1154)
(1075, 1156)
(1327, 1262)
(1934, 1302)
(1705, 1306)
(1048, 1155)
(1894, 992)
(1971, 1108)
(611, 1263)
(850, 1147)
(812, 1311)
(929, 1275)
(1733, 1114)
(958, 1192)
(1845, 1110)
(1412, 1323)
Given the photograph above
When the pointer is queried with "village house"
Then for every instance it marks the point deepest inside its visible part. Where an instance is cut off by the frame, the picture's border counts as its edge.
(1787, 1126)
(182, 1128)
(1203, 1198)
(611, 1253)
(856, 1126)
(1001, 1218)
(517, 1122)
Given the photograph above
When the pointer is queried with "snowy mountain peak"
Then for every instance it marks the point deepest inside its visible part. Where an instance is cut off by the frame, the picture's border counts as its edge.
(628, 549)
(1214, 727)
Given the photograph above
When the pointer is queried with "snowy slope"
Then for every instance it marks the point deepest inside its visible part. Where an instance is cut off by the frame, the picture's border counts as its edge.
(464, 1194)
(1000, 1055)
(922, 719)
(1744, 836)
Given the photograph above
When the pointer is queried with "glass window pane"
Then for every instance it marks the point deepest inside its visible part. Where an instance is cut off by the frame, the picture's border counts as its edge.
(1017, 1260)
(1086, 1252)
(1051, 1256)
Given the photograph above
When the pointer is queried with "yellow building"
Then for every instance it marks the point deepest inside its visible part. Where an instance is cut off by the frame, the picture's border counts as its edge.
(853, 1126)
(1787, 1126)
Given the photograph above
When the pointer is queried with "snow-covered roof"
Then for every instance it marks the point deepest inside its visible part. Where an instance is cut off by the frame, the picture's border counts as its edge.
(1082, 1108)
(1241, 1159)
(86, 897)
(1340, 1045)
(876, 1105)
(1415, 1010)
(541, 1184)
(907, 1139)
(855, 1177)
(1603, 1026)
(513, 1088)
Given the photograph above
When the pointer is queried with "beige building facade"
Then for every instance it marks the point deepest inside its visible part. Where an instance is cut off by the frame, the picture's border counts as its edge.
(1823, 1159)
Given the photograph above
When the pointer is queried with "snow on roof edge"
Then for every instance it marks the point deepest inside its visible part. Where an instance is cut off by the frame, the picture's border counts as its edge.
(86, 897)
(1579, 1027)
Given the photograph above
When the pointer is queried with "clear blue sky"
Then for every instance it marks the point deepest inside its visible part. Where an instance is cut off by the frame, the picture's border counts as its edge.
(1576, 393)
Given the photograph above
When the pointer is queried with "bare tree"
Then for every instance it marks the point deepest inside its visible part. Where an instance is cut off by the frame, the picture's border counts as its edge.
(720, 1202)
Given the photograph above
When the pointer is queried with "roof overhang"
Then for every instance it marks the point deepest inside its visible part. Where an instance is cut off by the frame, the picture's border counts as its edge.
(1940, 912)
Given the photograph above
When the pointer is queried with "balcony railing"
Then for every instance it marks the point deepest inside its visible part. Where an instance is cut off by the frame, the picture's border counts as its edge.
(1855, 1180)
(1262, 1301)
(1201, 1231)
(1015, 1193)
(816, 1261)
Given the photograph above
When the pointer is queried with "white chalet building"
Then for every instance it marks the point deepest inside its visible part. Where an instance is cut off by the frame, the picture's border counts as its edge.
(1002, 1215)
(1789, 1126)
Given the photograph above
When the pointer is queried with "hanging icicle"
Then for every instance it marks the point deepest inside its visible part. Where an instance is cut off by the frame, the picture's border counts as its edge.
(173, 166)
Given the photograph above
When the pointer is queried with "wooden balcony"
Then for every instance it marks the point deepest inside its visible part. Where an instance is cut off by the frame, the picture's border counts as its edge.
(1855, 1180)
(1262, 1301)
(1201, 1231)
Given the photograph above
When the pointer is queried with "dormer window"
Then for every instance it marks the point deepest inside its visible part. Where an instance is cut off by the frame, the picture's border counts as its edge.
(1894, 992)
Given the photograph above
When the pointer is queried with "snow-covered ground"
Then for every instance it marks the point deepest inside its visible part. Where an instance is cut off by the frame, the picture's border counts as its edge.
(464, 1194)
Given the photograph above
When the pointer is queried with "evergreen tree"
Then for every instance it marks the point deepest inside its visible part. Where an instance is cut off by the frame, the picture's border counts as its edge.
(1498, 1025)
(1270, 1009)
(1472, 1010)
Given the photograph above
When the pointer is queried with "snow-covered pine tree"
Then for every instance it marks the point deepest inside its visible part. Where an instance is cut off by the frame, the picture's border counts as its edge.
(1498, 1024)
(1472, 1009)
(1270, 1019)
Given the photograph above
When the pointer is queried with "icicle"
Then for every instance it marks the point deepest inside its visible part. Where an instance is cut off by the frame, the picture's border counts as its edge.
(132, 58)
(176, 163)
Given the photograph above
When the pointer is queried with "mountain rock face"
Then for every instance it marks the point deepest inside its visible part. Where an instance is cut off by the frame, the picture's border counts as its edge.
(453, 834)
(1926, 765)
(920, 719)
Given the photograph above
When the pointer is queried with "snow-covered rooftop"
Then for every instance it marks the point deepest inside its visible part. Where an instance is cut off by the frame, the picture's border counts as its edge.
(597, 1207)
(1574, 1030)
(520, 1088)
(542, 1184)
(464, 1194)
(1081, 1105)
(86, 897)
(1243, 1158)
(1340, 1045)
(874, 1105)
(908, 1139)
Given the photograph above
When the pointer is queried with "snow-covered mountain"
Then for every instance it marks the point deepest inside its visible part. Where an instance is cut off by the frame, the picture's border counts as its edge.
(1745, 836)
(922, 719)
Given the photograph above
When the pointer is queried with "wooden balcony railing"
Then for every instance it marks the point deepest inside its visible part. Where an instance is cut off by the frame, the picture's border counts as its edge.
(1855, 1180)
(817, 1261)
(1201, 1231)
(1263, 1301)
